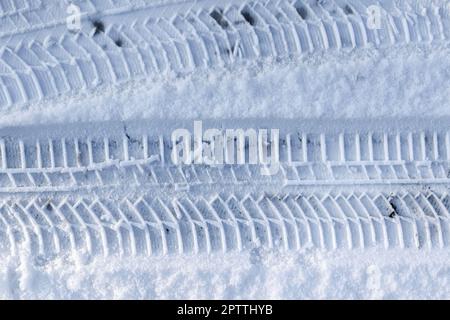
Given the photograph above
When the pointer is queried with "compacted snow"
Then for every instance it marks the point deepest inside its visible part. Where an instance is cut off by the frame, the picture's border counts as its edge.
(403, 83)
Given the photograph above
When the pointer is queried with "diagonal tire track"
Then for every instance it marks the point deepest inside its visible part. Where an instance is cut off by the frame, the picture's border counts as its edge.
(148, 225)
(140, 40)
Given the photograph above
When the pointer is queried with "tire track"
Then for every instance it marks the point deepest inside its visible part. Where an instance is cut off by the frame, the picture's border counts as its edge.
(64, 160)
(118, 43)
(148, 225)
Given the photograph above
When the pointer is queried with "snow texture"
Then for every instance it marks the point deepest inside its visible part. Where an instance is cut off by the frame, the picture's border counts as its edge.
(258, 274)
(345, 73)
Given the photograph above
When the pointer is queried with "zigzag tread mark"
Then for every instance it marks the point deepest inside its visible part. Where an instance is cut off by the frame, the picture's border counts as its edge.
(196, 35)
(144, 225)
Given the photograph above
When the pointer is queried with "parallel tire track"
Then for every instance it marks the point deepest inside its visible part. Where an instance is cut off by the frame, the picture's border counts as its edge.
(209, 209)
(119, 193)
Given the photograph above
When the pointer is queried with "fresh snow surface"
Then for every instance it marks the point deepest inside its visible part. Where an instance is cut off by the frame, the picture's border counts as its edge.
(257, 274)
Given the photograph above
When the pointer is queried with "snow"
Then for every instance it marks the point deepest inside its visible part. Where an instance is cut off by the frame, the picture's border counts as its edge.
(405, 81)
(259, 274)
(361, 84)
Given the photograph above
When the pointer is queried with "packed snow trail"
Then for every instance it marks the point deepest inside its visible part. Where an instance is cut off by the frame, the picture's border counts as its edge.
(106, 155)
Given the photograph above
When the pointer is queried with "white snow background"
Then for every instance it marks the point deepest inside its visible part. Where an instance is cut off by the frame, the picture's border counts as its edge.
(407, 81)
